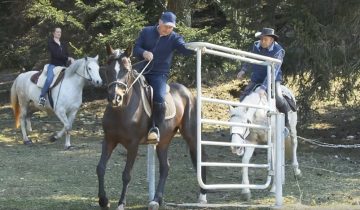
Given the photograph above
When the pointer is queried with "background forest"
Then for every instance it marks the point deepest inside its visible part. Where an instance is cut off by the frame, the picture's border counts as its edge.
(321, 38)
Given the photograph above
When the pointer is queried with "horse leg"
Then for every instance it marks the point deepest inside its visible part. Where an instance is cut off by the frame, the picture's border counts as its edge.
(193, 154)
(107, 149)
(67, 126)
(126, 175)
(294, 144)
(162, 153)
(54, 137)
(28, 122)
(23, 125)
(71, 118)
(245, 193)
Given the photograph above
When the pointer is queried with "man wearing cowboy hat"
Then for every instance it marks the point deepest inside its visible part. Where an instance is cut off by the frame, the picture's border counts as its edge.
(266, 46)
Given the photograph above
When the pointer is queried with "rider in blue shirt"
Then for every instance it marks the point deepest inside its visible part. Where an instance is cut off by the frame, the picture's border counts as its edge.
(58, 57)
(157, 44)
(266, 46)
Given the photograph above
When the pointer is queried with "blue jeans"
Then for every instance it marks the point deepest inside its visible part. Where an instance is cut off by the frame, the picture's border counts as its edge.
(49, 79)
(158, 83)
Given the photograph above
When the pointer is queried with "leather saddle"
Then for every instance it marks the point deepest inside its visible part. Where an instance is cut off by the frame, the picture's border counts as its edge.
(147, 98)
(39, 78)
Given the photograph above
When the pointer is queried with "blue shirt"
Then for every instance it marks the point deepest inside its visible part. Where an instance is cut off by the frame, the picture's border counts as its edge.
(162, 48)
(259, 72)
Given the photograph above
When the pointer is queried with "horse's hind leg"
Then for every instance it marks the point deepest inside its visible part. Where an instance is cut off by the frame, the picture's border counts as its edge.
(193, 154)
(295, 164)
(162, 153)
(294, 143)
(23, 125)
(106, 151)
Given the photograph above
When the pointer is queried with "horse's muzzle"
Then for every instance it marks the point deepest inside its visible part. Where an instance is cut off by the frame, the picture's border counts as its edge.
(97, 83)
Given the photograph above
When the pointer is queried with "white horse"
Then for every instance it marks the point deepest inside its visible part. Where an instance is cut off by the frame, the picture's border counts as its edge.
(67, 97)
(258, 136)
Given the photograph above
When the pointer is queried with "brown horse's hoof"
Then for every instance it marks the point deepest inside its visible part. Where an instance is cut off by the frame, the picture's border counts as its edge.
(104, 204)
(153, 205)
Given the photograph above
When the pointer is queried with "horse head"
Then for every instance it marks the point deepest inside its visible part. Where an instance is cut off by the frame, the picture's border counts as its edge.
(119, 75)
(90, 70)
(245, 115)
(238, 133)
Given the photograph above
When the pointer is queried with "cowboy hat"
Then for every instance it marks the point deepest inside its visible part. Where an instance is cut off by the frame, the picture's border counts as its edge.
(267, 32)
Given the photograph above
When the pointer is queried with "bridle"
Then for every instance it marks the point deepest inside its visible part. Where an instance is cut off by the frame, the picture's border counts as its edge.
(234, 131)
(90, 79)
(127, 88)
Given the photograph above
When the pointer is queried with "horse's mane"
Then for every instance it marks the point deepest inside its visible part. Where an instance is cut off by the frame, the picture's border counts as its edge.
(74, 65)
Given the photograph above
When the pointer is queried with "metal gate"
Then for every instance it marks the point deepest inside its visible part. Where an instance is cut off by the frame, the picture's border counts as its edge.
(276, 171)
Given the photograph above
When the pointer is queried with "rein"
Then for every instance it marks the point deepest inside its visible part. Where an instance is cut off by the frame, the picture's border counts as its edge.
(127, 89)
(141, 73)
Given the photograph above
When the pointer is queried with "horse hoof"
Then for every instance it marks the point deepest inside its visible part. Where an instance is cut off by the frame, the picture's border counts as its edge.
(297, 174)
(202, 199)
(53, 138)
(120, 207)
(153, 205)
(69, 147)
(28, 142)
(104, 204)
(245, 196)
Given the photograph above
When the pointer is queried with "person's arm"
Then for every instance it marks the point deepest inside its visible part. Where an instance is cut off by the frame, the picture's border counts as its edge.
(138, 49)
(180, 46)
(245, 66)
(279, 55)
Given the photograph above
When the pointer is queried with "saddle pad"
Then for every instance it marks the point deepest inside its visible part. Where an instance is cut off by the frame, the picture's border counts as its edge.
(169, 103)
(42, 78)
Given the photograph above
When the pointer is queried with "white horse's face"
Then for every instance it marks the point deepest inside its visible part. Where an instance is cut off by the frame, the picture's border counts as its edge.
(92, 71)
(238, 133)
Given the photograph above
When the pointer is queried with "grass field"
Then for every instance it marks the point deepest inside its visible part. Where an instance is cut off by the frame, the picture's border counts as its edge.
(44, 176)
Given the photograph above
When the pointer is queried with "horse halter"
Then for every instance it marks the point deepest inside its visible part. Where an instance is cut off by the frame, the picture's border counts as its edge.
(236, 130)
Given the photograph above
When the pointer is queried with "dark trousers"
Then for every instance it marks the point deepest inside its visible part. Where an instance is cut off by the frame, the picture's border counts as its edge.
(158, 83)
(281, 103)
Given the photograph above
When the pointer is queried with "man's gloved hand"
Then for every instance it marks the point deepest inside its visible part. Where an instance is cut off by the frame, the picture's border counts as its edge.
(148, 55)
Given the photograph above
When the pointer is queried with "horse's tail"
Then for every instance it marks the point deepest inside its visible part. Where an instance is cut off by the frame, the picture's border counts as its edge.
(15, 104)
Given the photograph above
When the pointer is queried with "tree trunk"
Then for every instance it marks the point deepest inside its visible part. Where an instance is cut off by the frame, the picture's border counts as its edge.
(182, 10)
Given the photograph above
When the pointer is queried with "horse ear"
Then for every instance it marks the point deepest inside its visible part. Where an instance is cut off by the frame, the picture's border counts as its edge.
(97, 57)
(109, 49)
(129, 51)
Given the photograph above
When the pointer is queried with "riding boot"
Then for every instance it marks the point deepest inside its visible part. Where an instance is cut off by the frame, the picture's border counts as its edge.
(158, 116)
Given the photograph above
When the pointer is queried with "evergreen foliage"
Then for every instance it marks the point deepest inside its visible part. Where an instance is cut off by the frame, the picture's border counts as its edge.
(321, 38)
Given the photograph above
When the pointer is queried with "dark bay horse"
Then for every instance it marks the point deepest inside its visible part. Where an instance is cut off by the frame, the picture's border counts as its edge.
(126, 122)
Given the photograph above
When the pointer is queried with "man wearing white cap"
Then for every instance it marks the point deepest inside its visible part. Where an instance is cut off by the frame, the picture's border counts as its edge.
(267, 46)
(157, 44)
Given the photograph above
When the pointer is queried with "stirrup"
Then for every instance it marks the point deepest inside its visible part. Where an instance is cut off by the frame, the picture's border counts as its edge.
(153, 136)
(42, 101)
